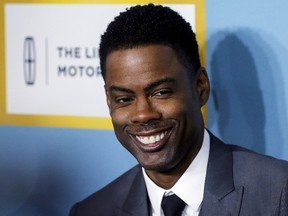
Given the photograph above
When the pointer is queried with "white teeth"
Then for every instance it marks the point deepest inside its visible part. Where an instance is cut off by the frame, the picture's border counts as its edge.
(157, 138)
(151, 139)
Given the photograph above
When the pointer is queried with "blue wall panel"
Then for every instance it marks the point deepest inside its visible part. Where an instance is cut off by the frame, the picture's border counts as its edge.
(247, 52)
(43, 171)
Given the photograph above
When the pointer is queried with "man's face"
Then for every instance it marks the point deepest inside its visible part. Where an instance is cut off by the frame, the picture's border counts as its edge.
(155, 106)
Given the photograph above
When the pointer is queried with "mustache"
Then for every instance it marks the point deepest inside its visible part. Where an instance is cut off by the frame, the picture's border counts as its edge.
(150, 125)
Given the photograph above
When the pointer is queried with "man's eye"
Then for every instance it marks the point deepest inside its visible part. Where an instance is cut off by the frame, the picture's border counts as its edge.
(124, 100)
(163, 93)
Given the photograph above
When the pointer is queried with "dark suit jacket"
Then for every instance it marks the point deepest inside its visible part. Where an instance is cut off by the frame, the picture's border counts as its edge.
(238, 182)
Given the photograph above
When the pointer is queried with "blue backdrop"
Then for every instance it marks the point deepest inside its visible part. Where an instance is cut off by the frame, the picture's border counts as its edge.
(43, 171)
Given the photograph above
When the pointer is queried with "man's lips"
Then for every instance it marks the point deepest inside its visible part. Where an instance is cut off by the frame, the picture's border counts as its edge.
(153, 141)
(146, 140)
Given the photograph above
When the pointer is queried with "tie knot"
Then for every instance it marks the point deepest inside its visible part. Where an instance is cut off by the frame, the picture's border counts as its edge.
(172, 205)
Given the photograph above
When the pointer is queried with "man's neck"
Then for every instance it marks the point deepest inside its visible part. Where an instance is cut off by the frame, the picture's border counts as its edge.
(168, 179)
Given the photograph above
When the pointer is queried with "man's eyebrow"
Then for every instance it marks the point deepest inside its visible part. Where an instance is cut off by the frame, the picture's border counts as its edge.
(119, 88)
(159, 82)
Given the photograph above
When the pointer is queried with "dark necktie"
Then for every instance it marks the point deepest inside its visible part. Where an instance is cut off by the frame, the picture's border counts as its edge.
(172, 205)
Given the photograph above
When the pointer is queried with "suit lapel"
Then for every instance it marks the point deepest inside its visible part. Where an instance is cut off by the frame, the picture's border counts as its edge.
(220, 195)
(137, 202)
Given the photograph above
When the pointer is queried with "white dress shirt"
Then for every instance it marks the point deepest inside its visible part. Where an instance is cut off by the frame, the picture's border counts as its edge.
(190, 186)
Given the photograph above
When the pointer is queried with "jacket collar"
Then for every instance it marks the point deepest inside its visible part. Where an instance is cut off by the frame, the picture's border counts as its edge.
(220, 195)
(137, 201)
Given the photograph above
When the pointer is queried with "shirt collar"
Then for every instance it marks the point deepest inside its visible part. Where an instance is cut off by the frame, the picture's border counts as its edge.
(190, 186)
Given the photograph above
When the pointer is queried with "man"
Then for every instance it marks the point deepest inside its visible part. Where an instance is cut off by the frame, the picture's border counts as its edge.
(155, 88)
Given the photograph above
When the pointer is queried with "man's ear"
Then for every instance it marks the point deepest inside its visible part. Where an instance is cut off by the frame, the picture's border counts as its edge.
(203, 85)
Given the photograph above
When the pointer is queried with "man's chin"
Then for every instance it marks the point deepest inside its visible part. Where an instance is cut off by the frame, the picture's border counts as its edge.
(156, 167)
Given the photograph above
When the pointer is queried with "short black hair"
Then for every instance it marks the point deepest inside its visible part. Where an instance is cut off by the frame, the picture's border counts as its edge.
(150, 24)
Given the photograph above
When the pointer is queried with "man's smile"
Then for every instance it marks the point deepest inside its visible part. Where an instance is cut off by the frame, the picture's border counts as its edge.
(151, 139)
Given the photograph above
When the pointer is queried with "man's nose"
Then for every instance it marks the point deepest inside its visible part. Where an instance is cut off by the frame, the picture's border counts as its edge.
(144, 111)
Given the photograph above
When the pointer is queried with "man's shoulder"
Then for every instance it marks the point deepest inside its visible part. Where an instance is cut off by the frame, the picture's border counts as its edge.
(257, 181)
(256, 164)
(109, 196)
(253, 170)
(257, 159)
(249, 159)
(119, 186)
(248, 164)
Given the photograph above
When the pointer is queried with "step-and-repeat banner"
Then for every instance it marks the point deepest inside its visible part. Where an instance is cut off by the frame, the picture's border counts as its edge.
(49, 63)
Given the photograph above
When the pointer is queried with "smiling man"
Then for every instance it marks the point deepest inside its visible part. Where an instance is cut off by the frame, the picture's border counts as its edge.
(155, 88)
(155, 110)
